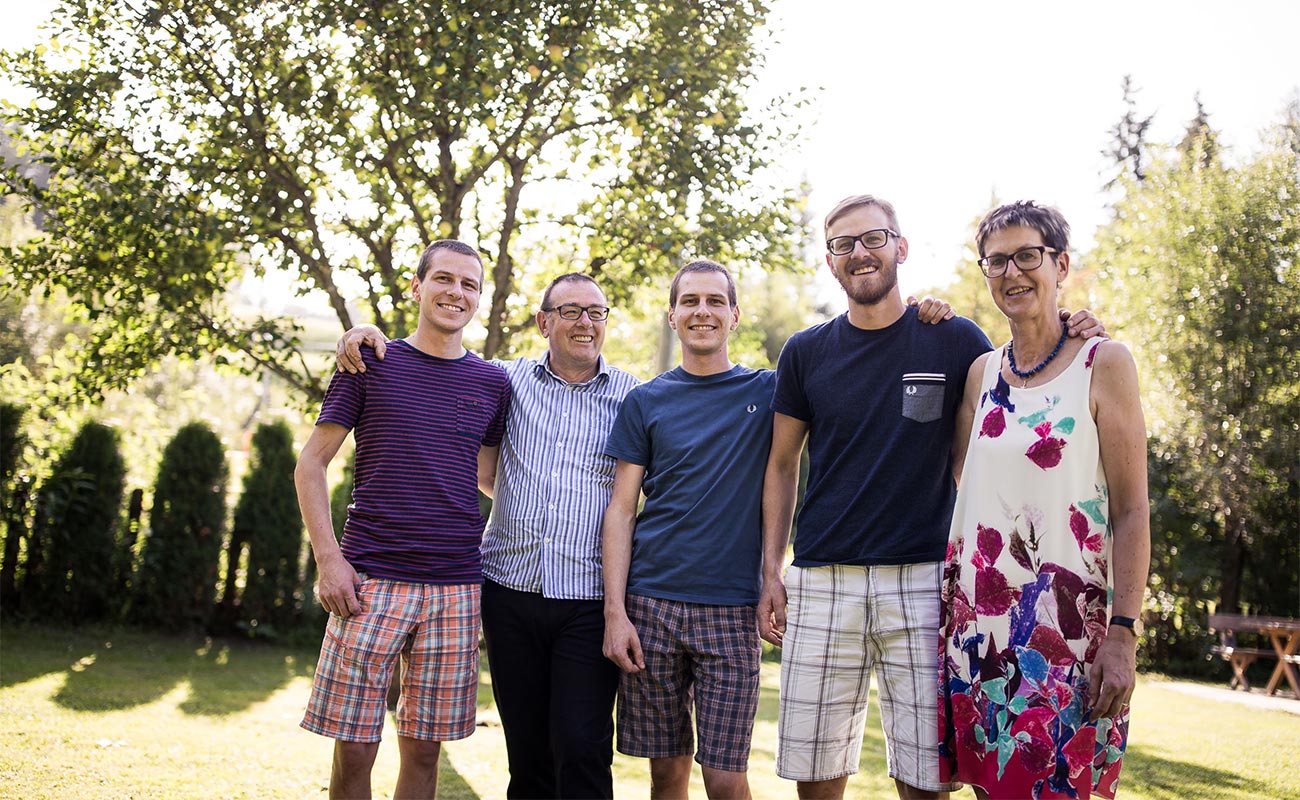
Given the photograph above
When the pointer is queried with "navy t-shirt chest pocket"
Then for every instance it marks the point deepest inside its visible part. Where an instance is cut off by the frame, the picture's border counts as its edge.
(923, 396)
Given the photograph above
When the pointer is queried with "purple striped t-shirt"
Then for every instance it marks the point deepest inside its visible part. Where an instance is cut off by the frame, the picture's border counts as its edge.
(418, 422)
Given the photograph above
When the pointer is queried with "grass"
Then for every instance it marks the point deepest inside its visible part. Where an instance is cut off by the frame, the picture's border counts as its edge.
(105, 713)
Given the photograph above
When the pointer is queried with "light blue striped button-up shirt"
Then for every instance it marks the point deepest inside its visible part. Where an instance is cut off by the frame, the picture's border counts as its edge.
(553, 481)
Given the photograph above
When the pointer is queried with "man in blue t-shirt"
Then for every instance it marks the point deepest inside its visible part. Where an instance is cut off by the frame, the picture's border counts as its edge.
(405, 582)
(682, 577)
(875, 393)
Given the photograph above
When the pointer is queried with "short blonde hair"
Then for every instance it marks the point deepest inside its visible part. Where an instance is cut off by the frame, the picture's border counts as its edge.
(858, 201)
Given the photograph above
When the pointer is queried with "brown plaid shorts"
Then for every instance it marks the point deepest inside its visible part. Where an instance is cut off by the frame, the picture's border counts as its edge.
(702, 654)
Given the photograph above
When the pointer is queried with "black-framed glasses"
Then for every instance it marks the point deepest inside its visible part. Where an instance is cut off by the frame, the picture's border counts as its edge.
(571, 311)
(1026, 258)
(872, 240)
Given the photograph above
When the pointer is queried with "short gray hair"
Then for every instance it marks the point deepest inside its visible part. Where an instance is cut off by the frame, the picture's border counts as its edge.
(1049, 223)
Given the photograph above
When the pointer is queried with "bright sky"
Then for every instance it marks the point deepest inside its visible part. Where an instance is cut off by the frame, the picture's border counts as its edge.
(938, 105)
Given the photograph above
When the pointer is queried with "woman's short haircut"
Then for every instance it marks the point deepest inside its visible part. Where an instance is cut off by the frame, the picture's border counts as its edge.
(1049, 223)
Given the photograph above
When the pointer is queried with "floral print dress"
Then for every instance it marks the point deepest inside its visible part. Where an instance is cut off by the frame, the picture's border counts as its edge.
(1026, 596)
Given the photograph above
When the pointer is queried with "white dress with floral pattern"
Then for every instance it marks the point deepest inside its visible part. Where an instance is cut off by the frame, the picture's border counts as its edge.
(1026, 596)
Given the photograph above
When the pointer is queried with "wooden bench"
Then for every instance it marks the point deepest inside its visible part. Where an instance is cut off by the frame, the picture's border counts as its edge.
(1283, 633)
(1239, 658)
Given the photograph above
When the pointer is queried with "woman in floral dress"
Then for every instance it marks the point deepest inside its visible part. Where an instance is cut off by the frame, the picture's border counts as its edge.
(1050, 541)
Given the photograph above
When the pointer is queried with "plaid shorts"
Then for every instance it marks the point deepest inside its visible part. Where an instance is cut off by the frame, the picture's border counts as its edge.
(701, 653)
(434, 629)
(843, 622)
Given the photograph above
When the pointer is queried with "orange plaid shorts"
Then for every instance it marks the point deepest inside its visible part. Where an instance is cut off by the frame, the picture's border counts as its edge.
(435, 631)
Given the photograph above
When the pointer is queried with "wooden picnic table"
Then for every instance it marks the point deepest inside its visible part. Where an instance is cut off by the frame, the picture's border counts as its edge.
(1282, 632)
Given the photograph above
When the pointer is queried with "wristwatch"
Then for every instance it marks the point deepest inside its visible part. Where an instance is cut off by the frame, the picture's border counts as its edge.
(1134, 625)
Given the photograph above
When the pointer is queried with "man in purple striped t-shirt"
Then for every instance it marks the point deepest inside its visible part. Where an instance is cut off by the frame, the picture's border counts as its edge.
(407, 577)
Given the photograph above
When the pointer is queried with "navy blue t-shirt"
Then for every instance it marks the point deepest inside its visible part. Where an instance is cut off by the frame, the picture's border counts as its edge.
(881, 406)
(703, 440)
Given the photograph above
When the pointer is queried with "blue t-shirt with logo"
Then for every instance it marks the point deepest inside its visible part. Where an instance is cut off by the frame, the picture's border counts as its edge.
(881, 406)
(703, 440)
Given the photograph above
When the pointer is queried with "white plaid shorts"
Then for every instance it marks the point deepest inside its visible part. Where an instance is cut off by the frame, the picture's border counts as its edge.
(844, 623)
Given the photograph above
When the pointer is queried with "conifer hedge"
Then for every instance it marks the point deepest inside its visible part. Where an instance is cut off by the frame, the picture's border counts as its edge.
(77, 514)
(180, 558)
(267, 519)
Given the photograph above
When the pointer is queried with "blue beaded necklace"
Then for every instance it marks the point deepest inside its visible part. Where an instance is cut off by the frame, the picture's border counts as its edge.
(1025, 376)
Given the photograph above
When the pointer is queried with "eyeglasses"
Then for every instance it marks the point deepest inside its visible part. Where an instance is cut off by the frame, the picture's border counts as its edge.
(1026, 258)
(872, 240)
(570, 311)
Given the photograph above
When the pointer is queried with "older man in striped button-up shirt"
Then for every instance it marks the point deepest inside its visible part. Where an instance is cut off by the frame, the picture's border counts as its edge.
(543, 617)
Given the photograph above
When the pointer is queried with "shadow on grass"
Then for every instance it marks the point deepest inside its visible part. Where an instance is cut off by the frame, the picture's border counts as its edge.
(1166, 779)
(109, 669)
(228, 677)
(31, 651)
(451, 786)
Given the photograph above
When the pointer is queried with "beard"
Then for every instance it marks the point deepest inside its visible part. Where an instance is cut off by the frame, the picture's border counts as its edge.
(869, 292)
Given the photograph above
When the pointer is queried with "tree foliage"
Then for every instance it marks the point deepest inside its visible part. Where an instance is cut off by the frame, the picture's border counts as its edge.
(189, 142)
(267, 519)
(179, 560)
(77, 513)
(1203, 262)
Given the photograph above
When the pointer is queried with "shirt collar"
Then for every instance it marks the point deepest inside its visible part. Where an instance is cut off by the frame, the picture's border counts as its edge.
(543, 367)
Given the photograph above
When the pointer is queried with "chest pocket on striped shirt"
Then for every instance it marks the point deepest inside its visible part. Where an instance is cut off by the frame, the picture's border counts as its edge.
(923, 396)
(471, 417)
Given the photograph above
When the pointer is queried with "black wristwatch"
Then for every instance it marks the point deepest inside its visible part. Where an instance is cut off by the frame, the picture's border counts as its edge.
(1134, 625)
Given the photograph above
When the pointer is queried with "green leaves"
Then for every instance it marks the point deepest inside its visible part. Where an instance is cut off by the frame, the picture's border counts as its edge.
(191, 142)
(1201, 269)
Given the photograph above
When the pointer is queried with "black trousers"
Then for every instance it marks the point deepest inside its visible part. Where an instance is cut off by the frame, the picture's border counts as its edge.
(555, 691)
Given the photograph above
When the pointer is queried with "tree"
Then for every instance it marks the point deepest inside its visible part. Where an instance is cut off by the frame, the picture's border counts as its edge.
(77, 512)
(1200, 141)
(179, 559)
(1203, 260)
(969, 292)
(199, 140)
(14, 491)
(267, 519)
(1128, 148)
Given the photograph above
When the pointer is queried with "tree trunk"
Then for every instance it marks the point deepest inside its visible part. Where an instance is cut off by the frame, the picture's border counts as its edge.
(503, 270)
(667, 341)
(1234, 553)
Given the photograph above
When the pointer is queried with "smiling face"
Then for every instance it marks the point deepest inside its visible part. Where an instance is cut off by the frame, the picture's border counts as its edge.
(574, 343)
(1024, 295)
(449, 292)
(868, 276)
(703, 315)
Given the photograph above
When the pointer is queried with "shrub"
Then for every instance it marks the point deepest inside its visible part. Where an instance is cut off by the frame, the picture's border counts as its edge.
(267, 519)
(179, 559)
(77, 513)
(13, 499)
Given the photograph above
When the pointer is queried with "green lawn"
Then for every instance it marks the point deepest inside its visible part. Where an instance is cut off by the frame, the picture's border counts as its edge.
(101, 713)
